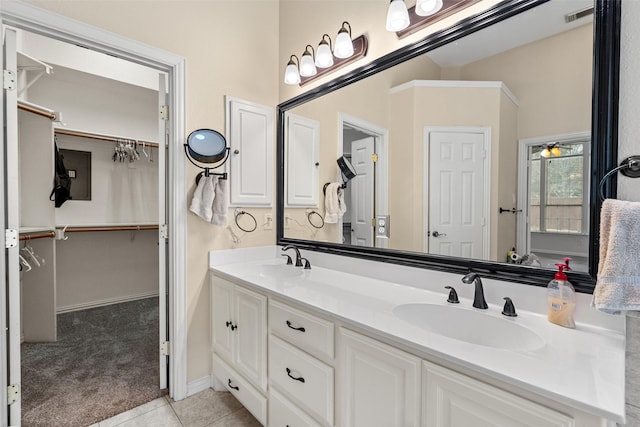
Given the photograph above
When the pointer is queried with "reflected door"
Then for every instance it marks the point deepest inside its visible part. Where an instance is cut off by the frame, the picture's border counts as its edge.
(362, 192)
(456, 194)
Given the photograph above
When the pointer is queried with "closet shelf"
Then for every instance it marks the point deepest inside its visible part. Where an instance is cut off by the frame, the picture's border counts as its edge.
(29, 63)
(101, 137)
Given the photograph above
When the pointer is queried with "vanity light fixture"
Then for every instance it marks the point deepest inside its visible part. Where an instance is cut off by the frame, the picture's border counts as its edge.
(397, 16)
(424, 13)
(344, 44)
(428, 7)
(291, 73)
(308, 63)
(324, 56)
(315, 64)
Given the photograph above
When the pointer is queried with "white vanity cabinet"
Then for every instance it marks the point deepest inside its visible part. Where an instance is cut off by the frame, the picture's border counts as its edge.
(301, 375)
(450, 399)
(379, 384)
(239, 337)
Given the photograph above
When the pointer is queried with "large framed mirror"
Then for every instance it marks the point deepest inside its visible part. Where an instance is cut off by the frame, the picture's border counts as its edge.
(480, 147)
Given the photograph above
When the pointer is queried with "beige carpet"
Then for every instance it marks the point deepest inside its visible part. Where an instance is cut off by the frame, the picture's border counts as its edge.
(105, 362)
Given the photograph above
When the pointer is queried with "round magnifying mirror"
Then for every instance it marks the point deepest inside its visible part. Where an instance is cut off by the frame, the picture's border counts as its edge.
(206, 145)
(346, 168)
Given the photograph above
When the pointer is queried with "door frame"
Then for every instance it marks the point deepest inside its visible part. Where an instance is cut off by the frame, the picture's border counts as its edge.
(40, 21)
(523, 243)
(381, 136)
(486, 132)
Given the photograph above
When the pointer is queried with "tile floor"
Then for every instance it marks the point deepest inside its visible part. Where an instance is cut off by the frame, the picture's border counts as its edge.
(206, 409)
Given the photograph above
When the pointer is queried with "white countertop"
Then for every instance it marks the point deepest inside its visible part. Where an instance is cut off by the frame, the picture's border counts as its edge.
(582, 368)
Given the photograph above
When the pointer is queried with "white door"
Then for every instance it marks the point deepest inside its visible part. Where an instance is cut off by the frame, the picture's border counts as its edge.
(250, 132)
(362, 192)
(380, 384)
(13, 222)
(456, 222)
(303, 153)
(163, 138)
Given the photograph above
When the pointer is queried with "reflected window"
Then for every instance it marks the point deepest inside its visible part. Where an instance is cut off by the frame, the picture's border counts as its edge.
(558, 187)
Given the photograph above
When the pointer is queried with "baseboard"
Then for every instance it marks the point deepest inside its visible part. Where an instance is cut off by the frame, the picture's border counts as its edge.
(196, 386)
(101, 303)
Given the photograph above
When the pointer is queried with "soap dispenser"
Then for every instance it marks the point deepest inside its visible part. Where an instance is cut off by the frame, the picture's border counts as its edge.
(561, 298)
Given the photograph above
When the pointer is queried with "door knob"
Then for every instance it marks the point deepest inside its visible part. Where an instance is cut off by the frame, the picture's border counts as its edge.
(436, 234)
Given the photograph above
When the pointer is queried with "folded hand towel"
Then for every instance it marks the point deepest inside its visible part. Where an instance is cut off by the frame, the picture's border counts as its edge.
(220, 203)
(203, 198)
(618, 281)
(332, 209)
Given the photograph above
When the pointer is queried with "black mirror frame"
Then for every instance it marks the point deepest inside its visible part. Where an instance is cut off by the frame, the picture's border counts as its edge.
(604, 135)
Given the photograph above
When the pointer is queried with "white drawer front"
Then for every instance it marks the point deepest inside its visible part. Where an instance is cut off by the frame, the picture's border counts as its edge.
(250, 397)
(303, 379)
(304, 330)
(283, 413)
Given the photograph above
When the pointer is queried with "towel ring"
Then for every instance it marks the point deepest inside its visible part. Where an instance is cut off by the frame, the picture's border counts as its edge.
(629, 167)
(315, 213)
(246, 230)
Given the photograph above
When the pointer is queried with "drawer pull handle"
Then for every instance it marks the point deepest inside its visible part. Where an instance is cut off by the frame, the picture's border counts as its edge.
(294, 378)
(301, 329)
(230, 386)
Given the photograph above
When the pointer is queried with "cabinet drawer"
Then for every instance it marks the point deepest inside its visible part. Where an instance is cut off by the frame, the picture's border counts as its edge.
(304, 330)
(283, 413)
(250, 397)
(303, 379)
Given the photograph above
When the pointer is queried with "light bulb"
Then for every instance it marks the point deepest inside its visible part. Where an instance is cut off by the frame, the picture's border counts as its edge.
(307, 64)
(555, 151)
(397, 16)
(291, 74)
(428, 7)
(344, 44)
(545, 152)
(324, 57)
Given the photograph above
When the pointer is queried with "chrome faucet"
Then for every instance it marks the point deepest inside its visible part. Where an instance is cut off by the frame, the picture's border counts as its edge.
(298, 256)
(478, 298)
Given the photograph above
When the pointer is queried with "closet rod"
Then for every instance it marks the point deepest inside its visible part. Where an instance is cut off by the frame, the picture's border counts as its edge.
(37, 111)
(111, 228)
(99, 137)
(40, 235)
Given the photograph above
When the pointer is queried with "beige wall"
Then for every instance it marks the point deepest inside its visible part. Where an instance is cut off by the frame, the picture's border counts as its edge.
(551, 78)
(231, 49)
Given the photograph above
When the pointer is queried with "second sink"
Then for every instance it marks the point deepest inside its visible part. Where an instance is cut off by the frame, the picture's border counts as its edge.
(470, 326)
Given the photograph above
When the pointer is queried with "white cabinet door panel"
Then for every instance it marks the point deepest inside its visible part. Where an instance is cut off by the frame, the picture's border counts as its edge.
(380, 385)
(221, 317)
(251, 336)
(250, 134)
(303, 153)
(454, 400)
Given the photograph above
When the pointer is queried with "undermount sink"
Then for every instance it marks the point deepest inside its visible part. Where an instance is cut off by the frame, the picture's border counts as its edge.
(471, 326)
(279, 270)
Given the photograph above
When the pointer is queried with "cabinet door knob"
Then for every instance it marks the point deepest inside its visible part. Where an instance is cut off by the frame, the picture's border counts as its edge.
(228, 323)
(233, 387)
(301, 329)
(236, 151)
(234, 327)
(301, 379)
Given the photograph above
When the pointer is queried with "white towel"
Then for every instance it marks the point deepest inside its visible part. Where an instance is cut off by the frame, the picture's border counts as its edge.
(221, 202)
(618, 282)
(334, 206)
(202, 201)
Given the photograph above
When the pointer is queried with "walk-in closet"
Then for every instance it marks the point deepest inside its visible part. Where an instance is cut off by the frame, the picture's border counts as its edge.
(92, 269)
